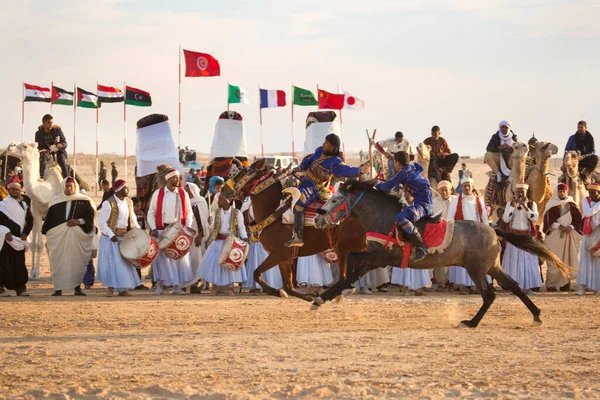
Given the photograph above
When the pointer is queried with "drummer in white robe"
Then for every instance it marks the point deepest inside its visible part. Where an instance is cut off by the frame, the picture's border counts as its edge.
(115, 220)
(588, 277)
(442, 204)
(256, 255)
(465, 207)
(225, 221)
(202, 227)
(521, 214)
(168, 205)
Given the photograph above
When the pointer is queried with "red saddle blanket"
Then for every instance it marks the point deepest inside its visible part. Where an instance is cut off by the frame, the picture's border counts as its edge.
(437, 237)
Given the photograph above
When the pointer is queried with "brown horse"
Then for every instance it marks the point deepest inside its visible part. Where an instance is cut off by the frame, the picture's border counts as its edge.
(265, 189)
(474, 246)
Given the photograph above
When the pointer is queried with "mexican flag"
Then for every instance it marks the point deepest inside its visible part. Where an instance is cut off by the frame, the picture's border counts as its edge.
(137, 97)
(237, 95)
(61, 96)
(108, 94)
(86, 99)
(304, 97)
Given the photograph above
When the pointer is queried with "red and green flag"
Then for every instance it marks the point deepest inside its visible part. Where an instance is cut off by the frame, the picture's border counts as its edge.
(137, 97)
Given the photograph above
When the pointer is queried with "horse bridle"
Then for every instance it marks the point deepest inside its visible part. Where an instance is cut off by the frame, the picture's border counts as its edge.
(238, 187)
(345, 206)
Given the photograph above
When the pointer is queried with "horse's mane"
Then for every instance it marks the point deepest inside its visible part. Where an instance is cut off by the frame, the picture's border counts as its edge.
(356, 185)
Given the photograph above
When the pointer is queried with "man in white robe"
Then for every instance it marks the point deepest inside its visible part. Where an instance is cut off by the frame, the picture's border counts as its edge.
(562, 226)
(70, 237)
(588, 277)
(201, 225)
(520, 216)
(116, 218)
(465, 207)
(442, 204)
(169, 205)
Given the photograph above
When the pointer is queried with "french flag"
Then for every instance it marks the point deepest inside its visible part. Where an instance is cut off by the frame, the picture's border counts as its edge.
(272, 98)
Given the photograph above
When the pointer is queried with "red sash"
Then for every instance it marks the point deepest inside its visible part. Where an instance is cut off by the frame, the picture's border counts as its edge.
(159, 206)
(587, 221)
(459, 212)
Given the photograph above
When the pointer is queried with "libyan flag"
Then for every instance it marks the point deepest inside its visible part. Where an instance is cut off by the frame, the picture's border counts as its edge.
(237, 95)
(137, 97)
(61, 96)
(86, 99)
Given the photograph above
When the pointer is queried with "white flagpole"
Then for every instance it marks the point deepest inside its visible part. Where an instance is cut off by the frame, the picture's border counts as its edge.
(318, 106)
(97, 135)
(293, 150)
(75, 96)
(125, 129)
(22, 116)
(227, 95)
(179, 127)
(262, 146)
(51, 90)
(342, 127)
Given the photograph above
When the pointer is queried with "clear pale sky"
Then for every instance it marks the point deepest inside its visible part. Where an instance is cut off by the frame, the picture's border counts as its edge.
(463, 65)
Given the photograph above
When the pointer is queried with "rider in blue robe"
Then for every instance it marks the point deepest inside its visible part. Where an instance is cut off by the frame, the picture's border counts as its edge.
(410, 177)
(319, 167)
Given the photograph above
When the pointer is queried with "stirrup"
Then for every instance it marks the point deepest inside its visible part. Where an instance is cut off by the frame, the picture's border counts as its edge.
(295, 241)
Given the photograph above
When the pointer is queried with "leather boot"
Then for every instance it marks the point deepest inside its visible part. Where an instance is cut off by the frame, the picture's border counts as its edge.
(297, 238)
(416, 242)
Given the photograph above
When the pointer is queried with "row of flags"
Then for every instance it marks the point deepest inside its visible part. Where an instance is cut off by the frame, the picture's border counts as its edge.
(86, 99)
(300, 97)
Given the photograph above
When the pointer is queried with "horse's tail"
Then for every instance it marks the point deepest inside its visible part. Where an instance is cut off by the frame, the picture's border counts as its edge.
(534, 246)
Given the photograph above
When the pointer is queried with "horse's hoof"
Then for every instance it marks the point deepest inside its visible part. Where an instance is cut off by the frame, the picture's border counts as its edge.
(537, 321)
(283, 294)
(314, 307)
(348, 292)
(339, 298)
(465, 324)
(318, 300)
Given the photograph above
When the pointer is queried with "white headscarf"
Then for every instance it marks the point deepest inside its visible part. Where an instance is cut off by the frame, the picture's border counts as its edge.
(506, 139)
(62, 197)
(195, 190)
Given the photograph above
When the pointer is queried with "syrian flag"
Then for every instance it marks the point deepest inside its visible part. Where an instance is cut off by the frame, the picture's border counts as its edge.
(137, 97)
(61, 96)
(272, 98)
(352, 103)
(107, 94)
(37, 93)
(86, 99)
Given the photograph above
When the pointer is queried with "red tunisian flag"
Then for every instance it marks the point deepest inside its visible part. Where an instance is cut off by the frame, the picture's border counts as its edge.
(201, 64)
(331, 101)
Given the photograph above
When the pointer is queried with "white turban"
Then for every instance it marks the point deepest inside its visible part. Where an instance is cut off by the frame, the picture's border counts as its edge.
(467, 180)
(505, 123)
(445, 184)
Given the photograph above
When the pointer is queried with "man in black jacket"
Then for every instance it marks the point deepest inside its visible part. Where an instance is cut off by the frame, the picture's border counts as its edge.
(50, 139)
(583, 142)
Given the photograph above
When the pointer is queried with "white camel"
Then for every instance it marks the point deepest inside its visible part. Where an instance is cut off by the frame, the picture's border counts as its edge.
(41, 192)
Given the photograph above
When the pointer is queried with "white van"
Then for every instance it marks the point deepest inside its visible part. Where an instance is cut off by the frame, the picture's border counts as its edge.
(281, 161)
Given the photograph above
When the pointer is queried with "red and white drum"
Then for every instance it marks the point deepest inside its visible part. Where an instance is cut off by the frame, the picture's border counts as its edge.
(233, 253)
(139, 248)
(329, 256)
(176, 240)
(593, 243)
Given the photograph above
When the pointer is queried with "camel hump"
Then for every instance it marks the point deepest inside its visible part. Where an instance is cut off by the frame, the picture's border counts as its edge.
(151, 119)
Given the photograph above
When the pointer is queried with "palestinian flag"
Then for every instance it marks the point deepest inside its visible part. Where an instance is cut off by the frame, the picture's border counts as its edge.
(86, 99)
(37, 93)
(107, 94)
(137, 97)
(61, 96)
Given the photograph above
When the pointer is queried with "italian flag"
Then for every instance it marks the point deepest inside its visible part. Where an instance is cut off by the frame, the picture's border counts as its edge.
(61, 96)
(86, 99)
(107, 94)
(37, 93)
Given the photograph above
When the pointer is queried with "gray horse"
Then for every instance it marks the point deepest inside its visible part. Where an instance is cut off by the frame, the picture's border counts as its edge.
(475, 246)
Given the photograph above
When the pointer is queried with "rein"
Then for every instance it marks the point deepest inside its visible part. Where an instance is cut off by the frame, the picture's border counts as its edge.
(345, 206)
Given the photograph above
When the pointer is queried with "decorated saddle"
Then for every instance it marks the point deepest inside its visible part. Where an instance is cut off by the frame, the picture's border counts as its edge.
(437, 235)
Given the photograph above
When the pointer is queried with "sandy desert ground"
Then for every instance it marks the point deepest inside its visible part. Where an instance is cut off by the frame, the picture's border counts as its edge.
(384, 345)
